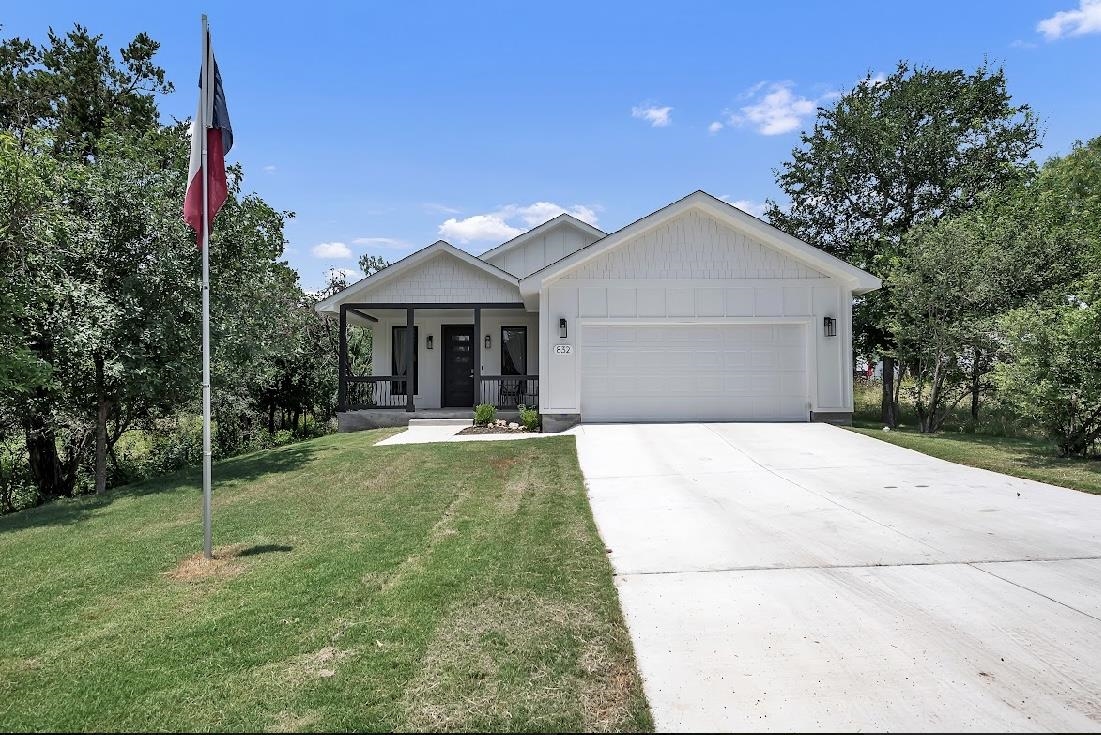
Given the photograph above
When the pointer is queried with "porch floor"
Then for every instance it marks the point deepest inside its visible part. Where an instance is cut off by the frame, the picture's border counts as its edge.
(376, 418)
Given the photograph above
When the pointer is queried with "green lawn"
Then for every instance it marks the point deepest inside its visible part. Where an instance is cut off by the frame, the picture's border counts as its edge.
(1028, 458)
(447, 586)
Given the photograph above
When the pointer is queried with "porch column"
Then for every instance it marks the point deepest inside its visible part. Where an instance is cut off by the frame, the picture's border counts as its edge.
(410, 353)
(477, 355)
(342, 361)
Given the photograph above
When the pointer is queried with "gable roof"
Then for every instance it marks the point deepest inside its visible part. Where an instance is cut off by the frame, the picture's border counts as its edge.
(560, 220)
(861, 280)
(333, 303)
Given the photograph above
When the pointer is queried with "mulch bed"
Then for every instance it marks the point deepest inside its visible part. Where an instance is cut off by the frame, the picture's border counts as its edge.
(493, 430)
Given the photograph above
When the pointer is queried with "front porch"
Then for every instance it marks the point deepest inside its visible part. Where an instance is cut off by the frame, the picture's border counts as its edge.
(436, 360)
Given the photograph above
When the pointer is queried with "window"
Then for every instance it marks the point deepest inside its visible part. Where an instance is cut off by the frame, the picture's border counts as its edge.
(398, 356)
(514, 350)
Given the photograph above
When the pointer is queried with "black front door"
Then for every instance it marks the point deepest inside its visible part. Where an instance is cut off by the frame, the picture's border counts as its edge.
(458, 365)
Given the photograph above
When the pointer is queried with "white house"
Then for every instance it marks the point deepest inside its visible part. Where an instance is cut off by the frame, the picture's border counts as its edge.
(697, 311)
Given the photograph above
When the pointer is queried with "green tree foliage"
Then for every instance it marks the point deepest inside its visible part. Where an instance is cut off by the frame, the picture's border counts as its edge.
(959, 275)
(371, 264)
(890, 155)
(1052, 371)
(100, 319)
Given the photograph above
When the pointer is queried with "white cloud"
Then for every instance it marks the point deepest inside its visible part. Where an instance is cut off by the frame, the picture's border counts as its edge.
(757, 209)
(1085, 19)
(658, 117)
(269, 169)
(714, 127)
(382, 242)
(435, 208)
(478, 227)
(331, 250)
(774, 109)
(509, 221)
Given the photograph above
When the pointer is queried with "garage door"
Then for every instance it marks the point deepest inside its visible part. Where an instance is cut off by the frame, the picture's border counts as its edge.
(689, 372)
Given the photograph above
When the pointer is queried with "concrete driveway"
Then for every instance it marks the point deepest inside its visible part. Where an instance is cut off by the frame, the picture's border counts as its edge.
(803, 577)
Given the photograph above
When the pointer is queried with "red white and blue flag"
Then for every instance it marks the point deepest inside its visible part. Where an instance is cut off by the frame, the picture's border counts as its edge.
(213, 115)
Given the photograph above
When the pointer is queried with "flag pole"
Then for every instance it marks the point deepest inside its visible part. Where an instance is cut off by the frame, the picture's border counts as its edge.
(202, 130)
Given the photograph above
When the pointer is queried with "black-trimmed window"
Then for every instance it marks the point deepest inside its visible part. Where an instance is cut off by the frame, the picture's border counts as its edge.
(398, 356)
(514, 350)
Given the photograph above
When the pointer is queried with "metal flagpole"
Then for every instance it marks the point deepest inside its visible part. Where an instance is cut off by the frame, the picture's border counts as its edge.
(202, 130)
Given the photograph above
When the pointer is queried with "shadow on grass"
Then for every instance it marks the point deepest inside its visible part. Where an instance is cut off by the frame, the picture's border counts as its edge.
(66, 511)
(265, 549)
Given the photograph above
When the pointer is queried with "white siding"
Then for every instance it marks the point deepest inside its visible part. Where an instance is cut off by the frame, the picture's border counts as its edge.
(694, 245)
(444, 279)
(695, 270)
(541, 250)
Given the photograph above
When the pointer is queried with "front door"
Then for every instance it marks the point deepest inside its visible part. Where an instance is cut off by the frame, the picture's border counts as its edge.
(458, 365)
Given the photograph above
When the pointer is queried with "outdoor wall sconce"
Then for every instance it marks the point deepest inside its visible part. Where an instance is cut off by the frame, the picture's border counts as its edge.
(489, 341)
(428, 342)
(561, 329)
(829, 326)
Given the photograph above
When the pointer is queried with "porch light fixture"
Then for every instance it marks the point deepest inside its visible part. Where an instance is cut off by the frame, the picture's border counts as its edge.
(428, 342)
(561, 329)
(829, 326)
(488, 341)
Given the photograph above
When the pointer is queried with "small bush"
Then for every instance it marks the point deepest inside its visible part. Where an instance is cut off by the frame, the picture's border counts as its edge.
(484, 414)
(529, 417)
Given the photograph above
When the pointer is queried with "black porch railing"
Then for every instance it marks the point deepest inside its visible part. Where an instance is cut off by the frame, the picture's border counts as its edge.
(509, 391)
(376, 391)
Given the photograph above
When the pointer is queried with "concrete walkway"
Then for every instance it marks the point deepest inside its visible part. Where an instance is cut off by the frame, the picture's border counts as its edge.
(803, 577)
(450, 433)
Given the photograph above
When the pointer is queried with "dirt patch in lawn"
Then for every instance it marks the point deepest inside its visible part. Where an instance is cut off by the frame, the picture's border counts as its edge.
(195, 568)
(291, 722)
(320, 665)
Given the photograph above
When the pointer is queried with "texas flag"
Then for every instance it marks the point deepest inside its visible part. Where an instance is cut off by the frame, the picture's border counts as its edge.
(214, 117)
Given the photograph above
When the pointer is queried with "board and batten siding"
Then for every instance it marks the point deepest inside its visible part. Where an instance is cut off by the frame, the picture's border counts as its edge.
(542, 250)
(444, 279)
(694, 269)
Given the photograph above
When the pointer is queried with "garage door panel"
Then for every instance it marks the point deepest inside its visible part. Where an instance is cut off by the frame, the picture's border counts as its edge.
(694, 372)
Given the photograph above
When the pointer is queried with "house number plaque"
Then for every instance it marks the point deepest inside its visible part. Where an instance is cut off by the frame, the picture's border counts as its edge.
(563, 349)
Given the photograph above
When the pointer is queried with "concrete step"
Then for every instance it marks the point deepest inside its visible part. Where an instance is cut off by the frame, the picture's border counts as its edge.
(441, 422)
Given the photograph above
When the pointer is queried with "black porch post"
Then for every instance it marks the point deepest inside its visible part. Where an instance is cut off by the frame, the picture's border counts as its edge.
(410, 352)
(477, 355)
(342, 361)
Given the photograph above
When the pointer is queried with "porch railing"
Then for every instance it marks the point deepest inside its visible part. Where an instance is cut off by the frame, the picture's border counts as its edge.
(376, 391)
(509, 391)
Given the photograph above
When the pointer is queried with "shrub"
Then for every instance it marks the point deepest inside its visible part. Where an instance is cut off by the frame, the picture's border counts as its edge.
(484, 414)
(1053, 376)
(529, 417)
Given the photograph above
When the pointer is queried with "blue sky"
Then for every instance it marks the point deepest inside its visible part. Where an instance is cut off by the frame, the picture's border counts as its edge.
(386, 126)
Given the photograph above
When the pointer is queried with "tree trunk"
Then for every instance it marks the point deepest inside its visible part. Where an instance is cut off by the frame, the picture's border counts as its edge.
(271, 417)
(49, 475)
(101, 429)
(975, 376)
(889, 401)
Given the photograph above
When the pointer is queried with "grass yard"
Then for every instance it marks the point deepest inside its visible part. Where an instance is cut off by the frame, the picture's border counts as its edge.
(1028, 458)
(421, 587)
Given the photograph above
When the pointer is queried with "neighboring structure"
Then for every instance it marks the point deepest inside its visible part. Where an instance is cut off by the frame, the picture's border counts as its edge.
(698, 311)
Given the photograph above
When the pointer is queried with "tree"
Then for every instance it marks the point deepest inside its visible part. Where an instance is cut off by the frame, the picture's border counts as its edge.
(960, 275)
(890, 155)
(371, 264)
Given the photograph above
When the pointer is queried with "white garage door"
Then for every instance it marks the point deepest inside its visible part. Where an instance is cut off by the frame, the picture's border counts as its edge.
(690, 372)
